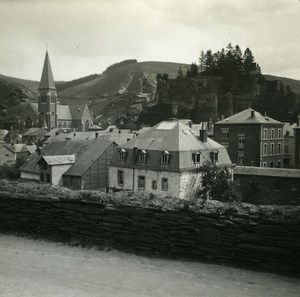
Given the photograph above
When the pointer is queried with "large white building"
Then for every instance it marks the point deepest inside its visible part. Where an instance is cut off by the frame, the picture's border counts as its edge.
(165, 160)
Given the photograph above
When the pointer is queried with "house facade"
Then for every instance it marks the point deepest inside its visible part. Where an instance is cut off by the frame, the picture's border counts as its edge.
(283, 183)
(252, 139)
(78, 165)
(165, 160)
(13, 154)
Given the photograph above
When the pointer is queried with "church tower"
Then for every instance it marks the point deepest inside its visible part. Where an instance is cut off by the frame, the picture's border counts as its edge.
(47, 98)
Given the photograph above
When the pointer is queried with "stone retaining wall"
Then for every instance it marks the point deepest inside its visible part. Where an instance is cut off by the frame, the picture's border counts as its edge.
(250, 241)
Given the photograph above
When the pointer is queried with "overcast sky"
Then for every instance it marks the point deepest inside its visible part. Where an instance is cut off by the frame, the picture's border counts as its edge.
(84, 37)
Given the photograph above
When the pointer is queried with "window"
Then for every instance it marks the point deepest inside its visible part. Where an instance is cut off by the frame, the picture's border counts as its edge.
(264, 164)
(120, 177)
(154, 184)
(165, 156)
(278, 164)
(142, 156)
(271, 164)
(277, 185)
(224, 134)
(265, 133)
(241, 158)
(237, 181)
(52, 98)
(279, 148)
(45, 166)
(293, 186)
(272, 133)
(42, 177)
(241, 144)
(272, 149)
(265, 149)
(279, 133)
(214, 157)
(196, 158)
(286, 149)
(141, 182)
(122, 154)
(164, 184)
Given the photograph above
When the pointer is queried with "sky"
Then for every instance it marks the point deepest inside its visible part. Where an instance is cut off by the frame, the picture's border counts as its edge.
(85, 37)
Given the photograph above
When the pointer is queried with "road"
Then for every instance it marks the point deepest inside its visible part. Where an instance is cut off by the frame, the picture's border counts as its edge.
(31, 268)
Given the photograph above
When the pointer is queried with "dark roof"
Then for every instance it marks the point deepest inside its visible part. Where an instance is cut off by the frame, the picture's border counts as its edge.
(34, 107)
(31, 164)
(35, 132)
(76, 111)
(86, 160)
(244, 117)
(263, 171)
(86, 152)
(47, 81)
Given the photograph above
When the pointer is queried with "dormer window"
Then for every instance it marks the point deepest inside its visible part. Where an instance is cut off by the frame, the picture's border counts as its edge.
(142, 156)
(122, 154)
(214, 157)
(165, 157)
(196, 158)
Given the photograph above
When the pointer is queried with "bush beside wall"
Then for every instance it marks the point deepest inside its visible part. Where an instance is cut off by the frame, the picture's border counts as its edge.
(254, 237)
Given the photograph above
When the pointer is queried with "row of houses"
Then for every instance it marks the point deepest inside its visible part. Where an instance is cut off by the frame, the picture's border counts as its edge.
(164, 160)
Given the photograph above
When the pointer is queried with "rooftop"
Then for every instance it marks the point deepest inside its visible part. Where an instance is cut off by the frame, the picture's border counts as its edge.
(248, 116)
(262, 171)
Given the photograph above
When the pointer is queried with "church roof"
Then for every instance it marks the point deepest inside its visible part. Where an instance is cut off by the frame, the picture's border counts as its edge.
(47, 81)
(76, 111)
(63, 112)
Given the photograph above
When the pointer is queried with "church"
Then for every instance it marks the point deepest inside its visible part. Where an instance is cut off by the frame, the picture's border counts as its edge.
(51, 114)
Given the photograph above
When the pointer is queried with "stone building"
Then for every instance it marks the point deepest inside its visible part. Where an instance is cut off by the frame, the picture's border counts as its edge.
(52, 114)
(251, 139)
(283, 183)
(164, 160)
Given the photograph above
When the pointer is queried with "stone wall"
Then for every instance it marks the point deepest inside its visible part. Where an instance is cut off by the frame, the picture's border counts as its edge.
(251, 241)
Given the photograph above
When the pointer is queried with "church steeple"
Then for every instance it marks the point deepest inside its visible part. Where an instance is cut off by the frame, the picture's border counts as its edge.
(47, 81)
(47, 104)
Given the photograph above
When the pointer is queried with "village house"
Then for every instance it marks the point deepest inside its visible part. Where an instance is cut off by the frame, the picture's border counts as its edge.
(13, 154)
(289, 145)
(283, 183)
(29, 171)
(34, 135)
(165, 160)
(78, 165)
(251, 139)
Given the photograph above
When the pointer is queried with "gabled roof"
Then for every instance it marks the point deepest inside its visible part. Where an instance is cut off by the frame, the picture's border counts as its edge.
(35, 132)
(34, 107)
(172, 136)
(86, 153)
(263, 171)
(244, 117)
(47, 81)
(31, 164)
(16, 148)
(77, 111)
(86, 160)
(63, 112)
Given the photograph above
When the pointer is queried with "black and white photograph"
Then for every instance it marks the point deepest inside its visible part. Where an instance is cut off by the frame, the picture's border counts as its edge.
(149, 148)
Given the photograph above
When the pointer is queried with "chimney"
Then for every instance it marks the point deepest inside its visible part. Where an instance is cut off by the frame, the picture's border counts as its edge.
(203, 134)
(135, 150)
(252, 114)
(210, 123)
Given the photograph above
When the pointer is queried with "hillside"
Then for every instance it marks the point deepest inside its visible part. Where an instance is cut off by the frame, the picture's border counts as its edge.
(124, 88)
(293, 83)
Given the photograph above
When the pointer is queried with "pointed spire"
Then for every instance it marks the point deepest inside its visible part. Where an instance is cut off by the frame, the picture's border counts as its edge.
(47, 81)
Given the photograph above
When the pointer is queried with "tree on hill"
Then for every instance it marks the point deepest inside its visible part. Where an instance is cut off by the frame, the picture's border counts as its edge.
(180, 73)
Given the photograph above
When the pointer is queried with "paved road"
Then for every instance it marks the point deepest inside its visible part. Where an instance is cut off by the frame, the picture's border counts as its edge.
(31, 268)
